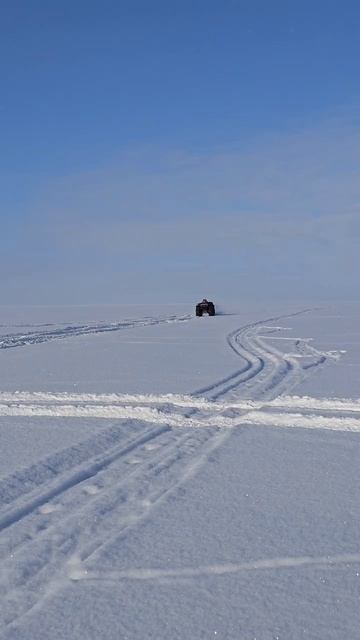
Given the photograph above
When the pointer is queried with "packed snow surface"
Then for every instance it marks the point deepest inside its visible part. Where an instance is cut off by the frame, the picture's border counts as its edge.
(165, 476)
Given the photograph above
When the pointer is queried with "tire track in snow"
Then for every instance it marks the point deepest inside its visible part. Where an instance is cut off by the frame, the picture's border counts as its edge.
(252, 367)
(55, 476)
(266, 372)
(84, 529)
(77, 571)
(82, 473)
(12, 340)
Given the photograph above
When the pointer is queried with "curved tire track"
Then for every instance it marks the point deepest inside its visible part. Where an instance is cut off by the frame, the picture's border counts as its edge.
(266, 372)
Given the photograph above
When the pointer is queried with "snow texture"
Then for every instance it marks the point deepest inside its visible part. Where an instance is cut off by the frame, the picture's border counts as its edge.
(166, 476)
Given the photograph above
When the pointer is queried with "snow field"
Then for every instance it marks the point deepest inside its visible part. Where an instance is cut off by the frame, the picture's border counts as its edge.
(78, 517)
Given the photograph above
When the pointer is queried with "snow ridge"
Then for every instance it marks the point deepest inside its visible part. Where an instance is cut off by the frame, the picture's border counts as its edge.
(224, 415)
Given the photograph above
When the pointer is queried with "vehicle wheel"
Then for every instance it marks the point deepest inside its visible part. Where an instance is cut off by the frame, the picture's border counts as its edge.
(211, 310)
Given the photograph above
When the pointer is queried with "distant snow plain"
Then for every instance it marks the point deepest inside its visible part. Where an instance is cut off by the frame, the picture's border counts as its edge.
(165, 476)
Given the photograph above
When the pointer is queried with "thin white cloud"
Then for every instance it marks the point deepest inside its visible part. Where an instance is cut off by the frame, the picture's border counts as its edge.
(292, 199)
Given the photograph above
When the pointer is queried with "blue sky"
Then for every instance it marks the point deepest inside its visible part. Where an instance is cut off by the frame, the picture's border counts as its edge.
(167, 150)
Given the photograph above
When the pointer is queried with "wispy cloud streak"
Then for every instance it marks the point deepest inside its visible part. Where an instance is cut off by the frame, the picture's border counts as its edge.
(282, 215)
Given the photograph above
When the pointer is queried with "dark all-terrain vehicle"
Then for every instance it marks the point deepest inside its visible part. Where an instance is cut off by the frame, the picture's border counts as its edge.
(205, 307)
